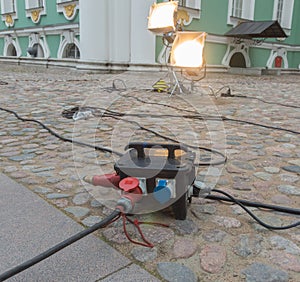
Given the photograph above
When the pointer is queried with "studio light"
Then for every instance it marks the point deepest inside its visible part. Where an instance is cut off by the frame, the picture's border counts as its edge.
(187, 49)
(162, 17)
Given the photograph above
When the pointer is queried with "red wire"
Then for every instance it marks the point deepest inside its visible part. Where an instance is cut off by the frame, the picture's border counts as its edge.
(146, 244)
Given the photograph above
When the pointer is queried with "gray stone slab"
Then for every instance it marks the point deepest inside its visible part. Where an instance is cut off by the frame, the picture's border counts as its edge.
(29, 226)
(130, 274)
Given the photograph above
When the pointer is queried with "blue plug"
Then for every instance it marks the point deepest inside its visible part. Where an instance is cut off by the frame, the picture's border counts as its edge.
(162, 193)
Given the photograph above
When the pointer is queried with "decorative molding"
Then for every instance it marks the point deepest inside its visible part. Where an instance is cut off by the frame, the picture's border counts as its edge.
(69, 9)
(281, 52)
(186, 15)
(233, 48)
(9, 40)
(36, 38)
(35, 12)
(66, 37)
(9, 20)
(35, 16)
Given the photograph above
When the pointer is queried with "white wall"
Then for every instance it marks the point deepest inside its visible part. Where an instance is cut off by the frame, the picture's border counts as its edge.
(94, 30)
(115, 31)
(142, 40)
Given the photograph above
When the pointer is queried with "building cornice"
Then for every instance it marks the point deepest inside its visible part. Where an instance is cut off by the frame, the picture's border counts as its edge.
(50, 29)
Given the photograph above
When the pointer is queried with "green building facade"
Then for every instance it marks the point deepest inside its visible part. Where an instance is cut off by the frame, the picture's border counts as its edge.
(114, 33)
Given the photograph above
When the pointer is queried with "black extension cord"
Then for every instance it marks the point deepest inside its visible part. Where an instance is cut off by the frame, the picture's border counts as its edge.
(98, 148)
(243, 204)
(58, 247)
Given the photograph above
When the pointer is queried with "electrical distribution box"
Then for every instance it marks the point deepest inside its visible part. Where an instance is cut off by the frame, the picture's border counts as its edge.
(165, 173)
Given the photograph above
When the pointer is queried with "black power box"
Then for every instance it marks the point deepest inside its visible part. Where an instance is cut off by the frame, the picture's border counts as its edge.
(165, 173)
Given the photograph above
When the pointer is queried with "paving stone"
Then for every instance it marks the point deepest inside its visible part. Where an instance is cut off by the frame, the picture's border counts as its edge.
(19, 174)
(143, 254)
(64, 186)
(61, 203)
(292, 168)
(248, 245)
(214, 235)
(258, 272)
(263, 176)
(175, 272)
(184, 248)
(29, 180)
(271, 169)
(96, 204)
(284, 260)
(289, 177)
(57, 196)
(243, 165)
(42, 169)
(77, 211)
(282, 243)
(81, 198)
(213, 258)
(185, 227)
(42, 190)
(53, 180)
(228, 222)
(289, 189)
(115, 235)
(23, 157)
(91, 220)
(157, 235)
(9, 169)
(199, 211)
(281, 199)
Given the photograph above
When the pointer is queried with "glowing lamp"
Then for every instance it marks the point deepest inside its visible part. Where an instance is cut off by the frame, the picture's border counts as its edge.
(162, 17)
(187, 49)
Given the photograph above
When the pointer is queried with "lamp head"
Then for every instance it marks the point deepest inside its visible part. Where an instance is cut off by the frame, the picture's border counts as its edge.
(162, 17)
(187, 49)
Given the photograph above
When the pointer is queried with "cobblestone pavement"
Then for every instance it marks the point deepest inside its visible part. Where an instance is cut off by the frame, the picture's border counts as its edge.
(218, 241)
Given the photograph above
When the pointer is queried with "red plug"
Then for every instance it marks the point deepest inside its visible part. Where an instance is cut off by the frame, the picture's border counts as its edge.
(132, 194)
(110, 180)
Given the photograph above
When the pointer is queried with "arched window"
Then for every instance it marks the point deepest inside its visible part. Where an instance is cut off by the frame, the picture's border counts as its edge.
(237, 60)
(71, 51)
(11, 50)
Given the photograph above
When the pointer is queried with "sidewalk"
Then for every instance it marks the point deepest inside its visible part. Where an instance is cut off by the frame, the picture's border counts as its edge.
(29, 226)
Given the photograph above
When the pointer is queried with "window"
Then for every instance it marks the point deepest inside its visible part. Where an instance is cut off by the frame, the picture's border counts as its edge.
(283, 12)
(71, 51)
(34, 4)
(240, 9)
(35, 9)
(237, 8)
(8, 7)
(192, 4)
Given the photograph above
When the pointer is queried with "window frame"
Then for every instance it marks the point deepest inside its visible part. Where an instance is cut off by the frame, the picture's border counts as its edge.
(247, 12)
(9, 17)
(286, 14)
(36, 12)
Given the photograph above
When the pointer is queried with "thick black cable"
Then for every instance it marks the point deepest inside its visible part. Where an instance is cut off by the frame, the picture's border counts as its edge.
(98, 148)
(59, 246)
(255, 204)
(234, 200)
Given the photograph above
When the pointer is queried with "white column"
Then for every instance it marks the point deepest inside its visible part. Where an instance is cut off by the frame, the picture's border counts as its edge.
(119, 30)
(94, 30)
(142, 40)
